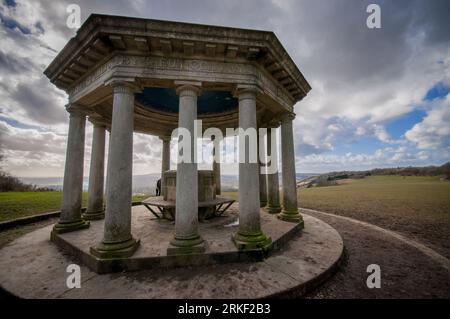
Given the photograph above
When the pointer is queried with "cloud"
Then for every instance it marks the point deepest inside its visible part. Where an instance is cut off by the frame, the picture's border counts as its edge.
(11, 64)
(17, 139)
(362, 79)
(38, 104)
(30, 152)
(380, 158)
(434, 130)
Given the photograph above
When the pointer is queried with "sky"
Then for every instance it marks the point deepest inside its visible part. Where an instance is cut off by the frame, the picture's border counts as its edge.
(379, 98)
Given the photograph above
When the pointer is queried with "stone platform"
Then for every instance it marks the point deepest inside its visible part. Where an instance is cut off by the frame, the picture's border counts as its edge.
(155, 235)
(33, 267)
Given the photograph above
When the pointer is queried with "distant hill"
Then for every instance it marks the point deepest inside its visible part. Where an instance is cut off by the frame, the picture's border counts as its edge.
(331, 178)
(142, 184)
(146, 184)
(400, 171)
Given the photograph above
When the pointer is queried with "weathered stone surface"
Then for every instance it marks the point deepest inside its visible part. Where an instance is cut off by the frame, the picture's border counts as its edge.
(70, 218)
(148, 51)
(290, 208)
(95, 208)
(249, 234)
(165, 161)
(32, 267)
(187, 238)
(117, 233)
(273, 186)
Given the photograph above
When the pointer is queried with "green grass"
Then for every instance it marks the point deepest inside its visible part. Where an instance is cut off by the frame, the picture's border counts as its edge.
(233, 195)
(20, 204)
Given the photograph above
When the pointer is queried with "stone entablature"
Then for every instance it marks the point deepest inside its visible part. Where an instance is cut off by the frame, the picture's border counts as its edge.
(173, 69)
(102, 36)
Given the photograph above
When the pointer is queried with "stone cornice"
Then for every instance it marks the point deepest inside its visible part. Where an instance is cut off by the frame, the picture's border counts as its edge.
(102, 35)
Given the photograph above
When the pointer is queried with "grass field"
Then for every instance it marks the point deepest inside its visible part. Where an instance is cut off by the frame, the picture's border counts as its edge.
(418, 207)
(21, 204)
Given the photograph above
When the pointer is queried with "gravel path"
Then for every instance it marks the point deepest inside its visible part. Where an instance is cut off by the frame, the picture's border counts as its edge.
(406, 271)
(9, 235)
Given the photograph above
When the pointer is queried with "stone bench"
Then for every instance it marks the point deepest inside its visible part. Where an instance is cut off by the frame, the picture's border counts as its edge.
(207, 209)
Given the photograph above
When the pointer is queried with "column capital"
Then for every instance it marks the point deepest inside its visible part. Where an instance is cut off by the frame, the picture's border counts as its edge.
(124, 85)
(243, 91)
(96, 123)
(287, 117)
(76, 109)
(275, 123)
(188, 88)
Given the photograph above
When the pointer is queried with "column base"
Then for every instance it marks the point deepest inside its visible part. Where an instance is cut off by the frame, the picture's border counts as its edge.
(93, 215)
(291, 216)
(257, 240)
(65, 227)
(189, 245)
(262, 204)
(115, 250)
(273, 209)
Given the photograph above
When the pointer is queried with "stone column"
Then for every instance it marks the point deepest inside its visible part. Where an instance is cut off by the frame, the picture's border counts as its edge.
(249, 234)
(165, 160)
(106, 181)
(290, 208)
(70, 218)
(95, 208)
(216, 163)
(262, 171)
(117, 239)
(186, 239)
(273, 196)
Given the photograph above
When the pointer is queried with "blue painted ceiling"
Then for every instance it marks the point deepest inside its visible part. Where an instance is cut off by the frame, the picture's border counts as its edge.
(166, 100)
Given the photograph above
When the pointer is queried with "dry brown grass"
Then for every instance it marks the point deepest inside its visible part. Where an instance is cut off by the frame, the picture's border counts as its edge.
(418, 207)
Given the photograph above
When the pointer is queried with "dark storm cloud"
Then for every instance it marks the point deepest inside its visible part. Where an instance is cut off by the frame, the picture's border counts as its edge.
(38, 101)
(344, 49)
(433, 17)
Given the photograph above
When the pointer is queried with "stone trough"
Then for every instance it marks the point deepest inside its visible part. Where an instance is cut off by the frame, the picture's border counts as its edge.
(209, 204)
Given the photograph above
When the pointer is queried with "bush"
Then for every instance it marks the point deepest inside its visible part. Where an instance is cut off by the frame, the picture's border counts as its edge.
(10, 183)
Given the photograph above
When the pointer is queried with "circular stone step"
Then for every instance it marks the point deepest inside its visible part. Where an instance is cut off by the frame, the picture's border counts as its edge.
(33, 267)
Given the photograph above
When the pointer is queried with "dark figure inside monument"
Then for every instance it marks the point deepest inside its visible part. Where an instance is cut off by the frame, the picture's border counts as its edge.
(158, 187)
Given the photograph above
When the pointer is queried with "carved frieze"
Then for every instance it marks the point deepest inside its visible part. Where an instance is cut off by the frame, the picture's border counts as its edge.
(173, 68)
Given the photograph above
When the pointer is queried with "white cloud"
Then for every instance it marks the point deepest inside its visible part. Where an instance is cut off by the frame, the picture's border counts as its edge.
(383, 157)
(434, 131)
